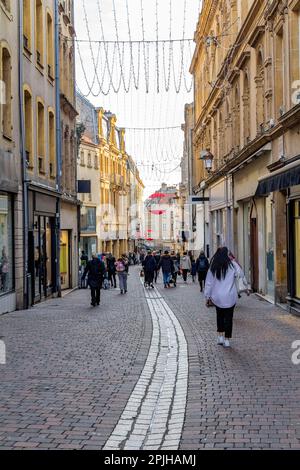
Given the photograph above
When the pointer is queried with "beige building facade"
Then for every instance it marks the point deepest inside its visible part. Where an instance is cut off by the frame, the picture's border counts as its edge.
(247, 110)
(69, 208)
(11, 202)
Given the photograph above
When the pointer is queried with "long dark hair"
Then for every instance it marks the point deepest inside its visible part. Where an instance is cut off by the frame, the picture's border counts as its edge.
(220, 263)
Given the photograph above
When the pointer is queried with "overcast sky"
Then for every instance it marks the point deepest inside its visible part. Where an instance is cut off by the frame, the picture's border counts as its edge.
(158, 152)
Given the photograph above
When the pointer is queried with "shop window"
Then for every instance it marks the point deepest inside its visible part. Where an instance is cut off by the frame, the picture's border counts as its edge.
(27, 25)
(50, 47)
(6, 105)
(52, 166)
(88, 219)
(297, 247)
(39, 32)
(6, 245)
(28, 127)
(41, 136)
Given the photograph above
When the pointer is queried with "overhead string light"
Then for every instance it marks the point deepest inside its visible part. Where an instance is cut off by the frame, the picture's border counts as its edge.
(116, 64)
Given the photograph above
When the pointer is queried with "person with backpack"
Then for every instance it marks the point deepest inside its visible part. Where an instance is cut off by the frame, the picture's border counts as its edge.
(96, 271)
(149, 265)
(221, 291)
(167, 266)
(202, 266)
(122, 271)
(185, 265)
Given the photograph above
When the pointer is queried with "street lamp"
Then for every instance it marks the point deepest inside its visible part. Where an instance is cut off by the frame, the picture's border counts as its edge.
(207, 157)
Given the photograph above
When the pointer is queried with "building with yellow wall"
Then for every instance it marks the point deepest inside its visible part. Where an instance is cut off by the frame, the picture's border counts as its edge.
(246, 125)
(116, 182)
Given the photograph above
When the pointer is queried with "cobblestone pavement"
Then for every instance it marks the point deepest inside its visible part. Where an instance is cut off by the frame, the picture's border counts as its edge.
(249, 395)
(73, 372)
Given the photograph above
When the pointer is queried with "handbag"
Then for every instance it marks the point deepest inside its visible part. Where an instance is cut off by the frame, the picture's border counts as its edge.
(142, 274)
(209, 303)
(241, 284)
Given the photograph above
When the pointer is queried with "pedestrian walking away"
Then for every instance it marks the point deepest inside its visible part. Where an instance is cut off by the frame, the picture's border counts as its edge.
(221, 291)
(202, 265)
(167, 266)
(149, 265)
(111, 269)
(193, 271)
(185, 265)
(157, 257)
(122, 268)
(176, 270)
(95, 269)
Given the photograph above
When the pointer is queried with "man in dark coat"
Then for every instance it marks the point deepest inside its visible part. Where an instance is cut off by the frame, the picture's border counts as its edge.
(167, 265)
(149, 265)
(95, 270)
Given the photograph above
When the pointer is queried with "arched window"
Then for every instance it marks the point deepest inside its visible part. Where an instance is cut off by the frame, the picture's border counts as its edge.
(27, 25)
(236, 118)
(50, 46)
(51, 143)
(246, 105)
(260, 103)
(6, 105)
(96, 162)
(28, 127)
(41, 135)
(39, 32)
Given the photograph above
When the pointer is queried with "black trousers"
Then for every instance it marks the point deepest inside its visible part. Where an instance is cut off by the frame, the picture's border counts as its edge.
(149, 276)
(112, 278)
(95, 295)
(184, 274)
(156, 273)
(201, 279)
(224, 320)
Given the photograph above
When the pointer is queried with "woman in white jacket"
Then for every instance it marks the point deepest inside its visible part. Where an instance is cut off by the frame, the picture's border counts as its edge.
(221, 290)
(185, 265)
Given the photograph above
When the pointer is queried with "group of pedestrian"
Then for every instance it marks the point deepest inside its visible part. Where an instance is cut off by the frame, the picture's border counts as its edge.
(102, 269)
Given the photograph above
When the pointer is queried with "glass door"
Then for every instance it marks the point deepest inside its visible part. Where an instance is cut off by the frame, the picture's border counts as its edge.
(269, 224)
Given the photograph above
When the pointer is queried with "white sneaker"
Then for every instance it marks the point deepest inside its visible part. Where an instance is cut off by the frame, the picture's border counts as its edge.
(226, 343)
(221, 340)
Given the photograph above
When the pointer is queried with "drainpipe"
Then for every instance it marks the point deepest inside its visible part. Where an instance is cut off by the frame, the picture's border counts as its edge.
(58, 149)
(23, 163)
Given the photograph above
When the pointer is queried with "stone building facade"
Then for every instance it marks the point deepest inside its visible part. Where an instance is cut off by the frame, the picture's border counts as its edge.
(69, 208)
(247, 113)
(11, 202)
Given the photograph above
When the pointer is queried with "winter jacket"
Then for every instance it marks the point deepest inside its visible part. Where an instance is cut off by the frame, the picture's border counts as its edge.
(149, 264)
(185, 263)
(166, 263)
(175, 264)
(202, 264)
(95, 270)
(111, 264)
(223, 293)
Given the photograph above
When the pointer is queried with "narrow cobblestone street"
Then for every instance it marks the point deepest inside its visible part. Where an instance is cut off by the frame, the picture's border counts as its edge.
(144, 372)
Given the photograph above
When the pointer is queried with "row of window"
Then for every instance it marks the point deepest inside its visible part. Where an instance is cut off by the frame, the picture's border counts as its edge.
(40, 134)
(89, 160)
(43, 19)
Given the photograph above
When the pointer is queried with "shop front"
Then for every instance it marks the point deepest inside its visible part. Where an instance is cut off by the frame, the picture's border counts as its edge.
(294, 249)
(42, 246)
(6, 245)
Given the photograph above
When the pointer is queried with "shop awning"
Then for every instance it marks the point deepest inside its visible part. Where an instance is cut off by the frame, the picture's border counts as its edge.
(284, 178)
